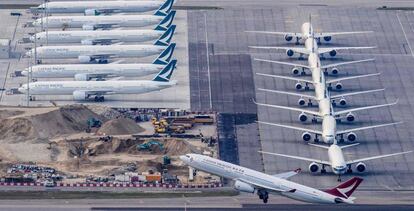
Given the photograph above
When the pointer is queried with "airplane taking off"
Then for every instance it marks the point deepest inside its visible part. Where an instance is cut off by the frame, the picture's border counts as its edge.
(336, 160)
(105, 37)
(251, 181)
(106, 22)
(104, 7)
(85, 90)
(308, 32)
(99, 53)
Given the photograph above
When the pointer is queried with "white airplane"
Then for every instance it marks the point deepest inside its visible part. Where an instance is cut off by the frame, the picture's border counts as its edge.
(86, 90)
(106, 22)
(310, 46)
(336, 160)
(98, 53)
(104, 7)
(251, 181)
(105, 37)
(308, 32)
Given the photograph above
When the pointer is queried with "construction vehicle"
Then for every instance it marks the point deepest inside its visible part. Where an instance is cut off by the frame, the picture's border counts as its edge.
(149, 146)
(203, 119)
(166, 160)
(93, 123)
(164, 126)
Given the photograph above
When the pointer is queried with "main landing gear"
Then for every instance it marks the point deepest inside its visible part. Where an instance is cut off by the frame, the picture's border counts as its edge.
(264, 195)
(99, 98)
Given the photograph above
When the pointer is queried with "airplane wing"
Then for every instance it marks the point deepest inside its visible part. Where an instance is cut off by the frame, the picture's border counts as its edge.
(339, 132)
(326, 50)
(376, 157)
(315, 113)
(288, 93)
(263, 186)
(330, 34)
(345, 63)
(351, 77)
(298, 158)
(98, 92)
(295, 49)
(101, 56)
(292, 127)
(291, 34)
(286, 77)
(284, 63)
(355, 93)
(364, 108)
(286, 175)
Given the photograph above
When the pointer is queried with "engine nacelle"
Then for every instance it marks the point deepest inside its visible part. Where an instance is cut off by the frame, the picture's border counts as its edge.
(84, 59)
(243, 187)
(80, 95)
(306, 136)
(91, 12)
(350, 117)
(313, 167)
(301, 102)
(87, 42)
(82, 77)
(361, 167)
(335, 70)
(338, 86)
(290, 52)
(88, 28)
(332, 53)
(342, 102)
(298, 86)
(327, 38)
(303, 117)
(295, 71)
(351, 136)
(288, 38)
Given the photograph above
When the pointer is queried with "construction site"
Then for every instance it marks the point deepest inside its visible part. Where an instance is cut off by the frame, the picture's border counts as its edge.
(96, 144)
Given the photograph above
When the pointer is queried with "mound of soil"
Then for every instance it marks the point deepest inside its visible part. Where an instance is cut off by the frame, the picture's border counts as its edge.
(120, 126)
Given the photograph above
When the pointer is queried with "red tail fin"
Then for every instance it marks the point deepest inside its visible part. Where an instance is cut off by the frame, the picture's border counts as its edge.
(345, 189)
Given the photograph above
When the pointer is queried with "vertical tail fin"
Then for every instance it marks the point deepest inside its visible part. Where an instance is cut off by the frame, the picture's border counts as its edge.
(165, 38)
(165, 8)
(166, 55)
(165, 74)
(166, 22)
(345, 190)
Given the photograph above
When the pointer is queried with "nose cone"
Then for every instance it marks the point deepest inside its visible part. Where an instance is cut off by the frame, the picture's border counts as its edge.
(185, 158)
(25, 72)
(32, 38)
(28, 53)
(23, 88)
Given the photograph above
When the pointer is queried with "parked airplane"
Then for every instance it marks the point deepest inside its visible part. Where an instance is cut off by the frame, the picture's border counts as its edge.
(105, 37)
(308, 32)
(86, 72)
(104, 7)
(99, 53)
(336, 160)
(85, 90)
(310, 46)
(106, 22)
(251, 181)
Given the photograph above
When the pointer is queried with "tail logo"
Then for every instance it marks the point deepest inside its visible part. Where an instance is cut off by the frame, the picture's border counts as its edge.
(346, 190)
(166, 55)
(165, 8)
(166, 37)
(166, 22)
(165, 74)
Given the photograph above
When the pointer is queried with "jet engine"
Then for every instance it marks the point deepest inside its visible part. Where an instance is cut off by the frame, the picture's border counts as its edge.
(335, 70)
(301, 102)
(351, 137)
(313, 167)
(303, 117)
(87, 42)
(88, 28)
(306, 136)
(289, 52)
(350, 117)
(342, 102)
(84, 59)
(338, 86)
(361, 167)
(332, 53)
(82, 77)
(288, 38)
(298, 86)
(80, 95)
(91, 12)
(243, 187)
(327, 38)
(295, 71)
